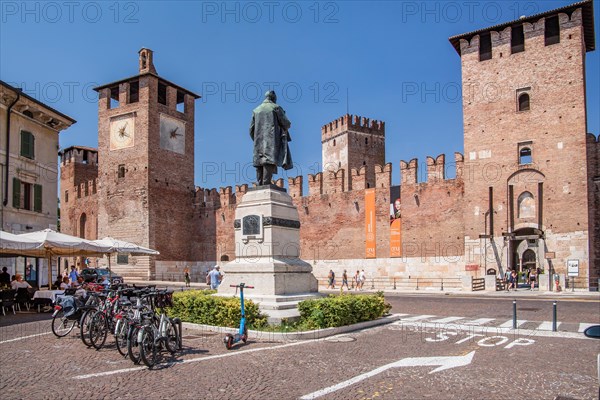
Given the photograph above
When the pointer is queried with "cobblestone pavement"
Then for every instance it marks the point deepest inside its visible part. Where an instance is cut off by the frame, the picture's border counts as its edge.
(517, 365)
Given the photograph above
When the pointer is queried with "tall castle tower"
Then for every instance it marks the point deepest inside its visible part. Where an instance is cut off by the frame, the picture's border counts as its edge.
(353, 142)
(525, 173)
(78, 187)
(146, 165)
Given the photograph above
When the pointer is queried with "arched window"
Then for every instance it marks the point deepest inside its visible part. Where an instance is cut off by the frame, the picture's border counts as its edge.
(525, 156)
(524, 102)
(526, 205)
(82, 222)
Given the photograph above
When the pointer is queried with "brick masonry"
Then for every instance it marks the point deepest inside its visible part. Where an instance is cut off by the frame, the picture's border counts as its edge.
(547, 205)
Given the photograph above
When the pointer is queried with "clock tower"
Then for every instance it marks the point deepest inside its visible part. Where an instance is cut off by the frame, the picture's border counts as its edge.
(146, 166)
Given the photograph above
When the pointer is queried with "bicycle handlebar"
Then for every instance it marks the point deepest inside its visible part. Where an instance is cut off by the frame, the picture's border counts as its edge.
(242, 285)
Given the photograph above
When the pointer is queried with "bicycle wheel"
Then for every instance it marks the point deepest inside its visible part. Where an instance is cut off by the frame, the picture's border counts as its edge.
(172, 337)
(148, 350)
(121, 336)
(61, 326)
(133, 346)
(98, 330)
(84, 327)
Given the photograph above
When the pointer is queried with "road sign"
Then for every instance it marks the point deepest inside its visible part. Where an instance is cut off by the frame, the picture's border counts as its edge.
(573, 267)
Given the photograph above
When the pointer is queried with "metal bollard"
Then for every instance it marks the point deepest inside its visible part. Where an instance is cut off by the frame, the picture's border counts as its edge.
(394, 283)
(554, 323)
(372, 283)
(442, 289)
(417, 284)
(515, 314)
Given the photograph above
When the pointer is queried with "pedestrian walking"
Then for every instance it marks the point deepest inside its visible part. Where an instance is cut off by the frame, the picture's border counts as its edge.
(362, 278)
(345, 280)
(186, 275)
(331, 280)
(532, 278)
(514, 280)
(356, 280)
(506, 280)
(215, 278)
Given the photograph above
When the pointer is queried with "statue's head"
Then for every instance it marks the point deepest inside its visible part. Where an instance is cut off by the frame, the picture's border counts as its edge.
(270, 95)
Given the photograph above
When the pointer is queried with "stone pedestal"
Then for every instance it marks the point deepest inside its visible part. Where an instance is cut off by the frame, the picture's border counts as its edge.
(267, 238)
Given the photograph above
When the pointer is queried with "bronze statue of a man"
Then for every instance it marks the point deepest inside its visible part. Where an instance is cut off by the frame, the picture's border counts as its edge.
(269, 131)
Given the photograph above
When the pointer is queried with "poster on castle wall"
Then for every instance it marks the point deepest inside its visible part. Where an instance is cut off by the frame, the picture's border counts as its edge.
(395, 222)
(370, 242)
(396, 238)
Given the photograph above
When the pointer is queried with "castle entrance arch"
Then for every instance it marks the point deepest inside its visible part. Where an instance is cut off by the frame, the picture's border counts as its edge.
(525, 247)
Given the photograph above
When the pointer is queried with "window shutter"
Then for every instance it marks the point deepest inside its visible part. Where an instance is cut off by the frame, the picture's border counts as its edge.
(37, 198)
(27, 144)
(24, 144)
(16, 193)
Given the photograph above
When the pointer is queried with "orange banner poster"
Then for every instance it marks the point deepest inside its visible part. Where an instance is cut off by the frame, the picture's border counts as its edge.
(370, 243)
(396, 238)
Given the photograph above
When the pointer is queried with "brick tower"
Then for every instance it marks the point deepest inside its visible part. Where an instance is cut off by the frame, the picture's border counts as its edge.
(78, 187)
(525, 172)
(353, 142)
(146, 168)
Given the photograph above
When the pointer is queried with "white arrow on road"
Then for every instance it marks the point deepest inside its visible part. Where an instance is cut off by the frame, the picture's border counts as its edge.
(442, 363)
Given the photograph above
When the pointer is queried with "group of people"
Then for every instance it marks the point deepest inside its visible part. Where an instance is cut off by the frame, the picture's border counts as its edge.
(15, 282)
(358, 280)
(511, 278)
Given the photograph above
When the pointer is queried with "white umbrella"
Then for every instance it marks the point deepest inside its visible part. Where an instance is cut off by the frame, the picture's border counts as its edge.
(16, 244)
(60, 244)
(123, 247)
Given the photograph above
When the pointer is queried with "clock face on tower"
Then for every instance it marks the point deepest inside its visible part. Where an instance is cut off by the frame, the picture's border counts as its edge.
(172, 134)
(122, 131)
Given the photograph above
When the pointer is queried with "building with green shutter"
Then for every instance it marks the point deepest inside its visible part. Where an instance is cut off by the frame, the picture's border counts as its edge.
(29, 132)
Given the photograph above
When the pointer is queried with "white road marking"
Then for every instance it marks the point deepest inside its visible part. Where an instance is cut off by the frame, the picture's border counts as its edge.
(584, 325)
(480, 321)
(199, 359)
(416, 318)
(446, 320)
(509, 323)
(25, 337)
(547, 326)
(442, 363)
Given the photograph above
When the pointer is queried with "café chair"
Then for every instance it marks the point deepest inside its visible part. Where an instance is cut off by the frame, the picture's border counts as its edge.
(8, 300)
(22, 297)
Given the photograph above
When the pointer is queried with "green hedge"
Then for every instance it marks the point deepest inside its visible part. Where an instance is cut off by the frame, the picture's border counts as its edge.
(339, 310)
(199, 307)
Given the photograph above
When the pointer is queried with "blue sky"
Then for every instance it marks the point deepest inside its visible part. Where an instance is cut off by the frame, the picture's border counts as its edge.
(311, 53)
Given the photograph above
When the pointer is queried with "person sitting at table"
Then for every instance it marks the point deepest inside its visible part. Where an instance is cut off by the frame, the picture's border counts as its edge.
(4, 277)
(58, 282)
(65, 283)
(105, 282)
(19, 282)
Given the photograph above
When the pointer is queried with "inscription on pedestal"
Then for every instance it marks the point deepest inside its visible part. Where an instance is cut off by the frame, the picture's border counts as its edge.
(251, 225)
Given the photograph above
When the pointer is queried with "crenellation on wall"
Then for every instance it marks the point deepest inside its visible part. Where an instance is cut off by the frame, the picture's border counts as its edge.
(459, 162)
(240, 190)
(226, 196)
(295, 186)
(408, 171)
(334, 181)
(436, 168)
(383, 176)
(315, 184)
(358, 178)
(355, 123)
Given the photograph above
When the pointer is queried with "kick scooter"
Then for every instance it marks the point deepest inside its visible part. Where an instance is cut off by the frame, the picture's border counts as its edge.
(242, 335)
